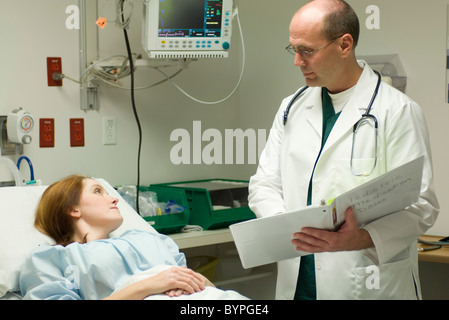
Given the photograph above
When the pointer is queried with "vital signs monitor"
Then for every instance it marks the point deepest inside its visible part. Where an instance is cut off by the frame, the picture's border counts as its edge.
(187, 29)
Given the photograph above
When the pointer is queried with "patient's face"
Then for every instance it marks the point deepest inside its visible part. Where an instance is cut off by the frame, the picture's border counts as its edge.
(98, 208)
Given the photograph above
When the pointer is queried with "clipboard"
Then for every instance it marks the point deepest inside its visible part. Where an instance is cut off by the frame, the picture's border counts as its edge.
(266, 240)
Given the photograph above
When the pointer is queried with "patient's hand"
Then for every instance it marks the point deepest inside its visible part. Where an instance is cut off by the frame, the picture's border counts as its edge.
(174, 282)
(176, 278)
(178, 291)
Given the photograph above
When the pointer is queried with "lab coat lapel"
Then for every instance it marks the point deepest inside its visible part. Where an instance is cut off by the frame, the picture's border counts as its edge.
(346, 120)
(345, 123)
(314, 112)
(355, 107)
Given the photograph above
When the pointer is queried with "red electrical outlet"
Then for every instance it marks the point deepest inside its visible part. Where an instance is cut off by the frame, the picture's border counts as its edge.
(46, 133)
(77, 132)
(54, 71)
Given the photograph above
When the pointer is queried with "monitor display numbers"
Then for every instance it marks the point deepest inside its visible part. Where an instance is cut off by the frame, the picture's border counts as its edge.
(190, 18)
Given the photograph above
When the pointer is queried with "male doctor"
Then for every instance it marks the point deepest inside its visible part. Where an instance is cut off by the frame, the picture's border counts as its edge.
(307, 159)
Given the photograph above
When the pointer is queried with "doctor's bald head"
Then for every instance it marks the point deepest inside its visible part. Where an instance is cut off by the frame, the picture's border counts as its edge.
(336, 17)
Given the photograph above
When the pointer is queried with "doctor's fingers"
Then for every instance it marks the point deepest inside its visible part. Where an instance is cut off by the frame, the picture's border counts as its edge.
(309, 243)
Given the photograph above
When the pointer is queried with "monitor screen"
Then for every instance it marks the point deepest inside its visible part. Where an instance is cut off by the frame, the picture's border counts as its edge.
(187, 28)
(190, 18)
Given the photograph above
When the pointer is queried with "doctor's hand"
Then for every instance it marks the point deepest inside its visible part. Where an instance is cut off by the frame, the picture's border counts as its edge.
(348, 237)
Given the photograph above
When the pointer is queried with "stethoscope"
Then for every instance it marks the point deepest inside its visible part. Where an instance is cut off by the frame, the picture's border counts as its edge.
(365, 117)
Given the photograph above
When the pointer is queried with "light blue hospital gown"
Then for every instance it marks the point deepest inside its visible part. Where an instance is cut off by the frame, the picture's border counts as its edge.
(95, 269)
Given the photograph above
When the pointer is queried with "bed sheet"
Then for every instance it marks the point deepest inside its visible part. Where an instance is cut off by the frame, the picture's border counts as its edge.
(209, 293)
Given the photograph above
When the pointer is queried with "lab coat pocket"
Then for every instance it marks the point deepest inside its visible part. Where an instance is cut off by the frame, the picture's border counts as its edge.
(342, 173)
(386, 281)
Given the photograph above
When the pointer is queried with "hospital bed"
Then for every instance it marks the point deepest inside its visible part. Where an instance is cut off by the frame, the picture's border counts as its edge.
(19, 237)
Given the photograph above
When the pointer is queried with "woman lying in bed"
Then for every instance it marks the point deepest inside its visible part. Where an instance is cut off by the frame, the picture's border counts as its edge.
(85, 264)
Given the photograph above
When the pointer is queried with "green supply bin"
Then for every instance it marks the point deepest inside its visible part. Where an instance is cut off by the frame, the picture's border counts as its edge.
(170, 222)
(214, 203)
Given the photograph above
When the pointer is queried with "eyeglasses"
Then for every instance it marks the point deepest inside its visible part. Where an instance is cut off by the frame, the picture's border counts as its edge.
(307, 53)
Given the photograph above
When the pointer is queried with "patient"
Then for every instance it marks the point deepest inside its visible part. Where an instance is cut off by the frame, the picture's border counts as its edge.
(85, 264)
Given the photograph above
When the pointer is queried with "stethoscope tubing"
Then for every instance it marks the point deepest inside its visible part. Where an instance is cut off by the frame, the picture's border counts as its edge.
(366, 115)
(301, 91)
(290, 104)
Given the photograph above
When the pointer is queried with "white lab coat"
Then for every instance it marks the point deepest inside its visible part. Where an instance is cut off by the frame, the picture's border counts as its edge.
(388, 271)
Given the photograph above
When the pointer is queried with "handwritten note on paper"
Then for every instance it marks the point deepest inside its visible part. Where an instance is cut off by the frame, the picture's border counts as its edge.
(386, 194)
(374, 197)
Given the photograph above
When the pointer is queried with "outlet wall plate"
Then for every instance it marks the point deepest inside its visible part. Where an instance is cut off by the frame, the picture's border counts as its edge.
(77, 132)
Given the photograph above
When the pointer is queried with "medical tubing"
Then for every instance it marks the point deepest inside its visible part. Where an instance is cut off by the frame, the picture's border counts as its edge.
(29, 164)
(124, 72)
(131, 65)
(109, 79)
(140, 88)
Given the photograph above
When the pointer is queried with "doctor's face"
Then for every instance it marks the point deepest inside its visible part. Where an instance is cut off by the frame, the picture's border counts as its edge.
(316, 56)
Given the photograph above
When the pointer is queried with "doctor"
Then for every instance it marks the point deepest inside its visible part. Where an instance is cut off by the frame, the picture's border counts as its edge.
(309, 158)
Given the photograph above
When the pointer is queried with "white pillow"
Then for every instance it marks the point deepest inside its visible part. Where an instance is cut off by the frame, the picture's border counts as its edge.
(18, 237)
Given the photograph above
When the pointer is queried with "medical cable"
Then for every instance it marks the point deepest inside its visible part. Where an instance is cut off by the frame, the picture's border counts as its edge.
(110, 79)
(123, 72)
(145, 87)
(120, 20)
(131, 66)
(113, 73)
(64, 76)
(235, 14)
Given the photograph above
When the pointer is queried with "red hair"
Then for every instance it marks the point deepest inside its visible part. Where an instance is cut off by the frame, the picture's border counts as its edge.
(53, 211)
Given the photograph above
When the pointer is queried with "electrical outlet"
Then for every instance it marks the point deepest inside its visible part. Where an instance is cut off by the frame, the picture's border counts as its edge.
(77, 132)
(109, 131)
(54, 71)
(46, 133)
